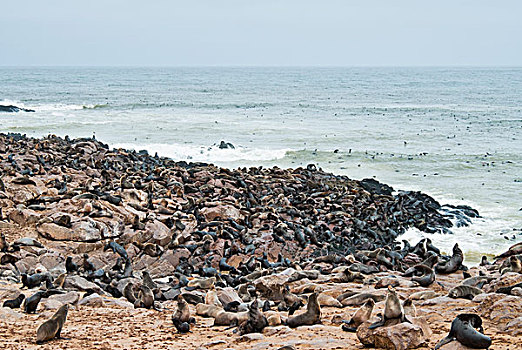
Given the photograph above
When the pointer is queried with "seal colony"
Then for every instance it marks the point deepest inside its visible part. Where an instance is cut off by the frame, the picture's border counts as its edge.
(252, 250)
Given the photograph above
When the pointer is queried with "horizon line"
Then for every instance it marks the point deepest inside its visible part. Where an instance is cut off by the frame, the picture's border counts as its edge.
(265, 66)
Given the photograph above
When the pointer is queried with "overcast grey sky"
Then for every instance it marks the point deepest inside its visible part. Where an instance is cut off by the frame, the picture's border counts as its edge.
(267, 32)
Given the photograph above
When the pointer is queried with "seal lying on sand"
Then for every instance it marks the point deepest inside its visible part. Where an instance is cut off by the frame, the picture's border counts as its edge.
(311, 316)
(52, 328)
(256, 321)
(467, 329)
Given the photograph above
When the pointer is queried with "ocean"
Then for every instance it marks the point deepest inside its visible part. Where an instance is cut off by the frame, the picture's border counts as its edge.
(454, 133)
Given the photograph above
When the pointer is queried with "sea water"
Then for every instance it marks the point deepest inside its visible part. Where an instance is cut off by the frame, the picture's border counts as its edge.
(454, 133)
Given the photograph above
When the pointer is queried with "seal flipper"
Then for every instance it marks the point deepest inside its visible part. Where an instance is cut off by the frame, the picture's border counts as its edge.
(445, 341)
(378, 323)
(347, 328)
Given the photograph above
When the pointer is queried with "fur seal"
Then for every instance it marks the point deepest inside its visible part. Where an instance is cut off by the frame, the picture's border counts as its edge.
(225, 318)
(147, 280)
(117, 249)
(145, 298)
(14, 303)
(467, 330)
(453, 264)
(70, 266)
(423, 295)
(129, 292)
(201, 283)
(393, 310)
(514, 265)
(31, 303)
(35, 280)
(256, 321)
(409, 308)
(427, 275)
(181, 317)
(311, 316)
(3, 243)
(360, 316)
(206, 310)
(53, 327)
(359, 299)
(463, 291)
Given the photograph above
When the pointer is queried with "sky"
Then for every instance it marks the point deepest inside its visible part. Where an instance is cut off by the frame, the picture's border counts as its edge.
(261, 33)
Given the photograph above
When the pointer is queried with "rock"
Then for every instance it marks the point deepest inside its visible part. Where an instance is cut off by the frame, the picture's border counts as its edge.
(24, 217)
(500, 310)
(51, 260)
(159, 232)
(94, 300)
(250, 337)
(397, 337)
(327, 300)
(121, 303)
(506, 280)
(81, 284)
(14, 109)
(517, 291)
(514, 327)
(81, 231)
(455, 345)
(50, 304)
(269, 331)
(224, 211)
(67, 298)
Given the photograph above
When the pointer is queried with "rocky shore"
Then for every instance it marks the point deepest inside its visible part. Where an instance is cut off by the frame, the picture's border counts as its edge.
(134, 242)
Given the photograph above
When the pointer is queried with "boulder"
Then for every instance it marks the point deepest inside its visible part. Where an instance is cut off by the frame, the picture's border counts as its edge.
(401, 336)
(271, 287)
(81, 284)
(514, 327)
(67, 298)
(499, 308)
(81, 231)
(225, 211)
(159, 233)
(24, 217)
(506, 280)
(94, 300)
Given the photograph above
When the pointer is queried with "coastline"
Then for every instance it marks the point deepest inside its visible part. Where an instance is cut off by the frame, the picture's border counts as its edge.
(77, 195)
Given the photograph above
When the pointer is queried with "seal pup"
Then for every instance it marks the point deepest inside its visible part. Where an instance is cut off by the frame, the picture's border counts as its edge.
(31, 303)
(53, 327)
(453, 264)
(393, 310)
(464, 291)
(409, 308)
(467, 330)
(360, 316)
(14, 303)
(129, 292)
(201, 283)
(311, 316)
(256, 321)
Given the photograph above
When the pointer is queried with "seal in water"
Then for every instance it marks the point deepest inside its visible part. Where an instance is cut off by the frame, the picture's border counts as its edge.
(393, 310)
(52, 328)
(311, 316)
(453, 264)
(14, 303)
(467, 330)
(360, 316)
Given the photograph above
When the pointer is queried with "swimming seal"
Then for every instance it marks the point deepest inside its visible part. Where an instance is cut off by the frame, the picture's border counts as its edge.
(393, 310)
(311, 316)
(53, 327)
(467, 330)
(360, 316)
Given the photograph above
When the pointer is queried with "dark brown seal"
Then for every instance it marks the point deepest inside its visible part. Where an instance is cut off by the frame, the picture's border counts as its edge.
(467, 330)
